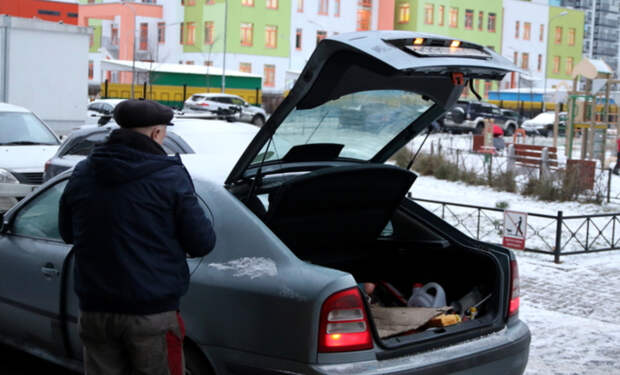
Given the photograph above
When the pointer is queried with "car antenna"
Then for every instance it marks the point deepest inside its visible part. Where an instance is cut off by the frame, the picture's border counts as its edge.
(259, 178)
(430, 127)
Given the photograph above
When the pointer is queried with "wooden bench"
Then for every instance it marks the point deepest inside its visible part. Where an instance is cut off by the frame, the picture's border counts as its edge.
(533, 156)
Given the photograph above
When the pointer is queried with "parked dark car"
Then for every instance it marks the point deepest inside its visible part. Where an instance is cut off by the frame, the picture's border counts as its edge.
(80, 143)
(310, 210)
(470, 115)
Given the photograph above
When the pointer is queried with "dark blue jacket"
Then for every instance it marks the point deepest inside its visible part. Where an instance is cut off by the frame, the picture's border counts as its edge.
(132, 215)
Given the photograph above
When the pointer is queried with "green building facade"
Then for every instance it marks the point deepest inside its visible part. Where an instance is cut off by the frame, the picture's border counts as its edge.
(565, 44)
(97, 30)
(202, 18)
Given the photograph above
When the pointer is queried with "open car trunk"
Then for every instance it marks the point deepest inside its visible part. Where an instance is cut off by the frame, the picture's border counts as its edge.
(351, 218)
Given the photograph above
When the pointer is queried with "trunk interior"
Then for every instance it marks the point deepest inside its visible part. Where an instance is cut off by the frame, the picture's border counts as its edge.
(350, 219)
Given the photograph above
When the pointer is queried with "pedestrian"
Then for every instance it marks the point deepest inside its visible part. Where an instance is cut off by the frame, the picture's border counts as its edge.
(132, 215)
(616, 170)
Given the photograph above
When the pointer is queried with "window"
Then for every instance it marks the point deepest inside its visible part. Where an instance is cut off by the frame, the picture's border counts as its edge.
(182, 33)
(72, 15)
(323, 7)
(298, 39)
(515, 58)
(491, 23)
(210, 2)
(191, 33)
(270, 75)
(247, 34)
(144, 36)
(208, 63)
(404, 13)
(541, 37)
(527, 30)
(245, 67)
(525, 61)
(300, 6)
(556, 64)
(272, 4)
(209, 32)
(271, 36)
(469, 19)
(480, 20)
(364, 13)
(487, 88)
(114, 34)
(454, 17)
(558, 35)
(48, 12)
(442, 15)
(320, 35)
(247, 3)
(90, 69)
(429, 10)
(190, 2)
(517, 31)
(39, 217)
(571, 36)
(91, 40)
(161, 32)
(189, 62)
(569, 65)
(539, 67)
(336, 8)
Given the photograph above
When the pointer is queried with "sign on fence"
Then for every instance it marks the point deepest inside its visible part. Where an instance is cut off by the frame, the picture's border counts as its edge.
(515, 229)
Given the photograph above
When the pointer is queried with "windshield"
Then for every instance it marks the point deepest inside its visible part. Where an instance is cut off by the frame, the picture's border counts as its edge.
(363, 122)
(23, 128)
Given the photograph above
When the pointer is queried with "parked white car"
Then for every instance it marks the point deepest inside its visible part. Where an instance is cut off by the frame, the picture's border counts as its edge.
(543, 124)
(209, 102)
(26, 143)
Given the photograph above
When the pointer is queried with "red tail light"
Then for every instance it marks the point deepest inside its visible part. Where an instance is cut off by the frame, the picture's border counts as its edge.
(47, 165)
(344, 324)
(514, 289)
(203, 104)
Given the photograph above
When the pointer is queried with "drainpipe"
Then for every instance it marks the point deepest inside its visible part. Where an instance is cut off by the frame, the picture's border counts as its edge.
(224, 57)
(4, 68)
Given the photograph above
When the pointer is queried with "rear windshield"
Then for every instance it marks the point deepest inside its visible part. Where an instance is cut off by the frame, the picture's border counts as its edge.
(24, 128)
(197, 97)
(363, 122)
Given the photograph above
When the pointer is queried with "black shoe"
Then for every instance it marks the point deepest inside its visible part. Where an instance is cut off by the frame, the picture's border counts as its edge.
(616, 172)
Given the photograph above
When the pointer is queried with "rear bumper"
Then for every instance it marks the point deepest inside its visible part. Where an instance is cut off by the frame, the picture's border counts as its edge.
(505, 352)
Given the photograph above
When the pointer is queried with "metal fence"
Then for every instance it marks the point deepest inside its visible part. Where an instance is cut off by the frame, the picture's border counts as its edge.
(555, 235)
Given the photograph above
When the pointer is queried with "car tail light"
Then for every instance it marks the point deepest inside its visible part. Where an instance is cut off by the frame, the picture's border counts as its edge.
(514, 289)
(203, 104)
(47, 165)
(344, 324)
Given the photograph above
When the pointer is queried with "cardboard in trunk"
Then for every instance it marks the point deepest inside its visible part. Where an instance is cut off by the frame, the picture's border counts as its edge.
(392, 321)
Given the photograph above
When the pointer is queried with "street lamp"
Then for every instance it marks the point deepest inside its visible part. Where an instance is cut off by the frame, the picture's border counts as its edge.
(224, 57)
(564, 13)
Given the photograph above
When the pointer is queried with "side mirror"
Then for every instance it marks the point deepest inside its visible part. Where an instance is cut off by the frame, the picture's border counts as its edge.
(63, 138)
(246, 104)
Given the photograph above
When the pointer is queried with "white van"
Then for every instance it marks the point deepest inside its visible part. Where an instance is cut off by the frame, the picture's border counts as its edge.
(26, 143)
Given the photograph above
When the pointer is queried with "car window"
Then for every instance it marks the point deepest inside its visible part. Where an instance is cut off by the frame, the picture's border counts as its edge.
(225, 100)
(197, 97)
(94, 107)
(107, 108)
(39, 217)
(237, 101)
(84, 146)
(24, 128)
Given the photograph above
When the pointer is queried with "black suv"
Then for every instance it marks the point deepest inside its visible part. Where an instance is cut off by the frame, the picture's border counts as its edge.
(470, 115)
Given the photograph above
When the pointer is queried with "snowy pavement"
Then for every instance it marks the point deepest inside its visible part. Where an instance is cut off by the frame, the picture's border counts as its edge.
(572, 308)
(572, 311)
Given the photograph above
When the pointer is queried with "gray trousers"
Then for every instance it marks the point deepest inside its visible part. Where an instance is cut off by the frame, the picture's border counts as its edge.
(120, 344)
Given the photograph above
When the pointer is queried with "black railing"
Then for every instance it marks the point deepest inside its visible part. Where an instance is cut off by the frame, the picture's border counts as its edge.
(556, 235)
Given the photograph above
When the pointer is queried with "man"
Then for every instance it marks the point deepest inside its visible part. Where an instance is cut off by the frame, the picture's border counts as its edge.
(132, 215)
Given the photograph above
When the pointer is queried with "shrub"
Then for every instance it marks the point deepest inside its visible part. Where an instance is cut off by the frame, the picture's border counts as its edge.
(504, 181)
(502, 205)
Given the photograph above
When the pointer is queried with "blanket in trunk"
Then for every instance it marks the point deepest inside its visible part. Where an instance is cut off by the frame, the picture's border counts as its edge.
(392, 321)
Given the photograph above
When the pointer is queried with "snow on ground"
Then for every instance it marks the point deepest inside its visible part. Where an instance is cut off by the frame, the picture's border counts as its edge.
(572, 307)
(572, 311)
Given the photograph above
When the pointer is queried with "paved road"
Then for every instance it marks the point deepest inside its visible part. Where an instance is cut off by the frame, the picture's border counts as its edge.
(14, 362)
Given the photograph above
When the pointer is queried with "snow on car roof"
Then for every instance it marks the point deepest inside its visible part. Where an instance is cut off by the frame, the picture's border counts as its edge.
(5, 107)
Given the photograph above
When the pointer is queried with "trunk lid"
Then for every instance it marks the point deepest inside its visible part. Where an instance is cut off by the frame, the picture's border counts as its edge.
(362, 96)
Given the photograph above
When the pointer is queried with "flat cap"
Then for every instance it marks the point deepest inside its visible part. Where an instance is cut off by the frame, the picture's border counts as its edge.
(134, 113)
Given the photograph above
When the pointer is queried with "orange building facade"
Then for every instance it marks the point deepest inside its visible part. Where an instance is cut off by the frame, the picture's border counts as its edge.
(53, 11)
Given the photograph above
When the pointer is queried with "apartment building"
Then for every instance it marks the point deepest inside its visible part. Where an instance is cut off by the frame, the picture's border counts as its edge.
(525, 30)
(565, 45)
(54, 11)
(602, 28)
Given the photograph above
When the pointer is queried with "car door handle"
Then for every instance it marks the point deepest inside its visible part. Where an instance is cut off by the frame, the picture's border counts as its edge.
(49, 271)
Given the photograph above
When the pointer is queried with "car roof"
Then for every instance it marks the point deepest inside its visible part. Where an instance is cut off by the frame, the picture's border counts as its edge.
(211, 95)
(6, 107)
(113, 102)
